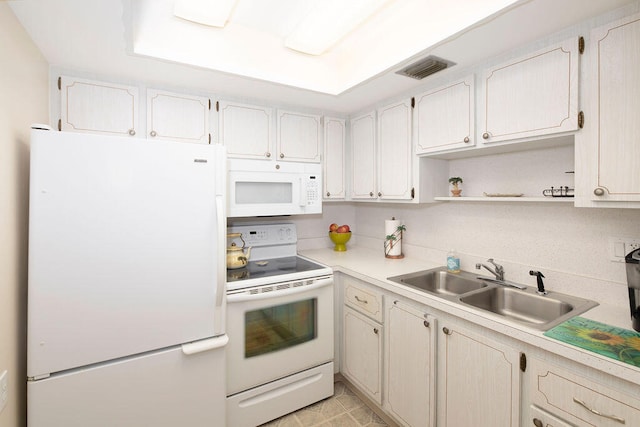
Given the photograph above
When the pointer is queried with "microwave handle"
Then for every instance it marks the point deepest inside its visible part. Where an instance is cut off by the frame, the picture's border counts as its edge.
(303, 193)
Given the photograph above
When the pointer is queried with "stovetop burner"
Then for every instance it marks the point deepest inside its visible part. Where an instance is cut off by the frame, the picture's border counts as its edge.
(273, 258)
(272, 267)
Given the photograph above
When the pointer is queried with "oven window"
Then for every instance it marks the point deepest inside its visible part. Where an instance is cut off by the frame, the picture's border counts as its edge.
(263, 192)
(279, 327)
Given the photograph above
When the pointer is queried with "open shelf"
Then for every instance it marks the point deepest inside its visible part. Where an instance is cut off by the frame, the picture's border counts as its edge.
(505, 199)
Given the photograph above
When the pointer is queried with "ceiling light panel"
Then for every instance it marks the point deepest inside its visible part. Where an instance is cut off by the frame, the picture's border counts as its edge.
(208, 12)
(329, 21)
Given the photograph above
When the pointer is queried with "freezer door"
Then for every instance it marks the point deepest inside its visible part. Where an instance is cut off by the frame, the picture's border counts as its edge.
(124, 247)
(163, 389)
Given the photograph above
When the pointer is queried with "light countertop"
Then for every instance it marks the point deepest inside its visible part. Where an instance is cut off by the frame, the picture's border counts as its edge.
(371, 266)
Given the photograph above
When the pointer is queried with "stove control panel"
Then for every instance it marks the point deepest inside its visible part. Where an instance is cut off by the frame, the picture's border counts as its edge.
(268, 240)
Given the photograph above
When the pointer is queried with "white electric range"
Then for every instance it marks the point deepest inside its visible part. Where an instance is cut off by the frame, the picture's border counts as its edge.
(280, 328)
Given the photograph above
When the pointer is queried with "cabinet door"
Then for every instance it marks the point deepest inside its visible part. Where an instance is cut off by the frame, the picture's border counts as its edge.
(531, 96)
(98, 107)
(363, 156)
(334, 141)
(299, 137)
(178, 117)
(394, 151)
(410, 365)
(245, 130)
(445, 117)
(362, 353)
(615, 67)
(481, 380)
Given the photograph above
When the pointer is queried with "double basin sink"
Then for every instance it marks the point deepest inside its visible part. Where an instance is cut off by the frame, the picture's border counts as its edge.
(524, 306)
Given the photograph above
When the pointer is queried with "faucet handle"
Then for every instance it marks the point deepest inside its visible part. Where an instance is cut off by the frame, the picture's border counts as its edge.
(497, 266)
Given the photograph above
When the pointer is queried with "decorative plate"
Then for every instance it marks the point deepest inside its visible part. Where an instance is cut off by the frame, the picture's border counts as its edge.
(503, 194)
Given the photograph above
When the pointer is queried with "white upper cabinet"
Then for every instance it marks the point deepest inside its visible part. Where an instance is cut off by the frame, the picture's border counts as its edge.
(246, 130)
(363, 156)
(612, 143)
(299, 137)
(445, 117)
(530, 96)
(176, 116)
(394, 151)
(98, 107)
(334, 152)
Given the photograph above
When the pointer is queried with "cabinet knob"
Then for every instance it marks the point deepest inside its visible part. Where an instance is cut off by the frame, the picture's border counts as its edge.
(371, 194)
(153, 133)
(328, 194)
(485, 135)
(375, 331)
(132, 132)
(537, 423)
(282, 155)
(599, 191)
(379, 194)
(267, 154)
(466, 139)
(426, 324)
(446, 331)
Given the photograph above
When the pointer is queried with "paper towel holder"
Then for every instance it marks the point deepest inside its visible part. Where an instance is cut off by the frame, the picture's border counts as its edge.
(394, 241)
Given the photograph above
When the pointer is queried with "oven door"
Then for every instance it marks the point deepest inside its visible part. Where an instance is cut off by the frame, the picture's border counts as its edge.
(278, 330)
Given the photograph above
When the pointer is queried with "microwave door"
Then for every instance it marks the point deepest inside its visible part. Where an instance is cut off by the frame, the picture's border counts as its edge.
(255, 194)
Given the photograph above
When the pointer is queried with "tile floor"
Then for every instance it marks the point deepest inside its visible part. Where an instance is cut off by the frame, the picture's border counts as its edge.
(343, 409)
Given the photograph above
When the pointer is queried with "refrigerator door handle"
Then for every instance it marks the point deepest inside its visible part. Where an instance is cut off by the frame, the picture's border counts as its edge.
(221, 251)
(205, 345)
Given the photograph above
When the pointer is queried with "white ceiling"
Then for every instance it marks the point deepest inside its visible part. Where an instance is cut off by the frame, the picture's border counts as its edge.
(98, 37)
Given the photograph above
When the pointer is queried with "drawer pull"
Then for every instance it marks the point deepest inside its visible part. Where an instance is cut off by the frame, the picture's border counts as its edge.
(593, 411)
(537, 423)
(364, 301)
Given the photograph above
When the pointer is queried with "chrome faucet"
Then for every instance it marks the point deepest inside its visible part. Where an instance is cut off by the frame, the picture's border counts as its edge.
(498, 272)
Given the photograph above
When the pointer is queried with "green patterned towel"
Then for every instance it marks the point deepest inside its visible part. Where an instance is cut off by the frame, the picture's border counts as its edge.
(616, 343)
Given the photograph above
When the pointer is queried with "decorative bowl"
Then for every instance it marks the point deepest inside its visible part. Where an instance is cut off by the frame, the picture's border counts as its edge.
(340, 240)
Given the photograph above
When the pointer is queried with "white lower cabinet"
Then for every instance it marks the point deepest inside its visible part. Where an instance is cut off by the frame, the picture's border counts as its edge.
(580, 401)
(424, 367)
(362, 353)
(409, 362)
(541, 418)
(479, 381)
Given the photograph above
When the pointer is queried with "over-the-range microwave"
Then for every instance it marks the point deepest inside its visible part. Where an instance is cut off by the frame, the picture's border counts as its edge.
(268, 188)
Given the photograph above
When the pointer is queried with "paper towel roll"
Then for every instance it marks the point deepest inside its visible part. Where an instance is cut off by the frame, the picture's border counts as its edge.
(393, 247)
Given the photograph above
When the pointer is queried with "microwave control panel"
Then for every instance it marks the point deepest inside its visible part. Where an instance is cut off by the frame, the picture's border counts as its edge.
(313, 191)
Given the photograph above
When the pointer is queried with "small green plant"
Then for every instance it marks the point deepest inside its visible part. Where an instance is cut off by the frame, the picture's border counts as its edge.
(455, 180)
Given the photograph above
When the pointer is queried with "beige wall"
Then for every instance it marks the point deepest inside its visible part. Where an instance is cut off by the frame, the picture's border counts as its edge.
(23, 101)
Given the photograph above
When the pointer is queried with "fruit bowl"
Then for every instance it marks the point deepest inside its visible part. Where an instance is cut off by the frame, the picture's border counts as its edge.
(340, 239)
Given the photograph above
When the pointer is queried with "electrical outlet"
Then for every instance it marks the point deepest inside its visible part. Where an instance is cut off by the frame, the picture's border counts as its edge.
(619, 247)
(4, 389)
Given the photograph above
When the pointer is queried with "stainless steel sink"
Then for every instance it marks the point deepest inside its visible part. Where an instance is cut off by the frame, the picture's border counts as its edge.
(520, 305)
(441, 282)
(524, 306)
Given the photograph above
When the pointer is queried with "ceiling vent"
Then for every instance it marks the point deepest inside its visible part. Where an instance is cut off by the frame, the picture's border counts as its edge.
(425, 67)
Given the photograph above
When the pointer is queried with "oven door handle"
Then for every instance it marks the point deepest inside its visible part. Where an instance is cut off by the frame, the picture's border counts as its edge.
(244, 296)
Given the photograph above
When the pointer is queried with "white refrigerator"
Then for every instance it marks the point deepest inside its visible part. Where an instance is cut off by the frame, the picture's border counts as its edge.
(127, 272)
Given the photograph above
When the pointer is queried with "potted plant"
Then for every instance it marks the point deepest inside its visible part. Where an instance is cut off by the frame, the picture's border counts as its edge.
(455, 181)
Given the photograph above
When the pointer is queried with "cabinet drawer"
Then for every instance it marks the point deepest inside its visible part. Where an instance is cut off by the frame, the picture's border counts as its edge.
(581, 401)
(363, 298)
(540, 418)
